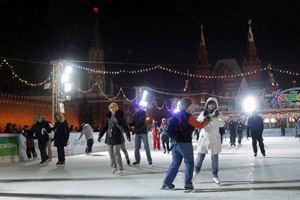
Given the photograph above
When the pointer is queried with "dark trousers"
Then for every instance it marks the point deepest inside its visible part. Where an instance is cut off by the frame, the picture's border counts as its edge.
(232, 138)
(258, 138)
(29, 151)
(42, 148)
(165, 142)
(89, 147)
(61, 153)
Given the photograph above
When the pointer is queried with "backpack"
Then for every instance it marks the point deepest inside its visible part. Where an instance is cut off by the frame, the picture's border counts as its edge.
(173, 127)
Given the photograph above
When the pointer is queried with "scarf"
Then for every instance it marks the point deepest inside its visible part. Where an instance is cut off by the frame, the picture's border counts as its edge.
(114, 120)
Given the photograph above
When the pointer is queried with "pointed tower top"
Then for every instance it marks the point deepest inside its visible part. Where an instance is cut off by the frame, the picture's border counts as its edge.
(202, 41)
(96, 42)
(250, 34)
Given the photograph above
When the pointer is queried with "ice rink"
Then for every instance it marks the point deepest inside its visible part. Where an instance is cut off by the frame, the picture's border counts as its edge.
(89, 176)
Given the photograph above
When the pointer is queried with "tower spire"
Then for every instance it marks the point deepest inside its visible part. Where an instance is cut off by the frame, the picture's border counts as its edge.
(202, 52)
(251, 44)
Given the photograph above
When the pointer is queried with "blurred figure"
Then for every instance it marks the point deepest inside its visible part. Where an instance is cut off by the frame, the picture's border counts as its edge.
(8, 128)
(297, 127)
(232, 131)
(239, 131)
(156, 134)
(30, 150)
(87, 130)
(257, 127)
(61, 136)
(40, 130)
(164, 138)
(222, 131)
(282, 127)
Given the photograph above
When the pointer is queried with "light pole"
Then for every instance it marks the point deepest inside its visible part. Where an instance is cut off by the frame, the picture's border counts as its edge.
(59, 80)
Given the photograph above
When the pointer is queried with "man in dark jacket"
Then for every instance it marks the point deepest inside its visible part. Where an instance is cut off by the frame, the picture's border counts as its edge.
(140, 132)
(232, 131)
(256, 126)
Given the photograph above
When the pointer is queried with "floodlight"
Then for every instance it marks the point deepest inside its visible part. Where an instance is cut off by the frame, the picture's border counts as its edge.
(68, 87)
(249, 104)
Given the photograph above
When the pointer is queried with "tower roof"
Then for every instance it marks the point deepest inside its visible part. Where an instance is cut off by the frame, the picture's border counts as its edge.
(96, 42)
(251, 44)
(202, 52)
(250, 34)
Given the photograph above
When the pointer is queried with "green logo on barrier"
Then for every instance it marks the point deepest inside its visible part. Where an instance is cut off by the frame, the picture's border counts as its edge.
(9, 146)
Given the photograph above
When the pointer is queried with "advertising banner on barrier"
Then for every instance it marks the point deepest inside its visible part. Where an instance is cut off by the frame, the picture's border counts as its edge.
(9, 146)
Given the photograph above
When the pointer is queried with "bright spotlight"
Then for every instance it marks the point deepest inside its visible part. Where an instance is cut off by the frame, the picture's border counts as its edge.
(143, 102)
(68, 70)
(177, 109)
(65, 78)
(249, 104)
(68, 87)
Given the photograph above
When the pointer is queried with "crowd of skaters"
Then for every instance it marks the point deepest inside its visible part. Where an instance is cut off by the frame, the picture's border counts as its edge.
(208, 129)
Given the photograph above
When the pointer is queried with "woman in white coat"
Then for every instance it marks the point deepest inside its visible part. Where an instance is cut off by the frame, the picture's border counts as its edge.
(210, 139)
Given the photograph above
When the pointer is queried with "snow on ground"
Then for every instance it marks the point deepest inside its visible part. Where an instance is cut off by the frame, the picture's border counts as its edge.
(89, 176)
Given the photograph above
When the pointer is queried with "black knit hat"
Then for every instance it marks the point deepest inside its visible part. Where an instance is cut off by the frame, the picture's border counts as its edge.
(185, 102)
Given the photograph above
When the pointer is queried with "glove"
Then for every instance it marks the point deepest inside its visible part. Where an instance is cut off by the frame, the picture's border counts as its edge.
(52, 139)
(208, 118)
(215, 113)
(128, 138)
(99, 138)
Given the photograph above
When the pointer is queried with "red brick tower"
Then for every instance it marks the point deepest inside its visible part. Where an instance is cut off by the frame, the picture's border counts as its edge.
(253, 64)
(203, 68)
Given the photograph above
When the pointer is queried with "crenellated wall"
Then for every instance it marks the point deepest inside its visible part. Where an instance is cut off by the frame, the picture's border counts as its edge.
(21, 110)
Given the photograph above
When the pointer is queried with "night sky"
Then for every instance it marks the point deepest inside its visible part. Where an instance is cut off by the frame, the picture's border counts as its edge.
(147, 32)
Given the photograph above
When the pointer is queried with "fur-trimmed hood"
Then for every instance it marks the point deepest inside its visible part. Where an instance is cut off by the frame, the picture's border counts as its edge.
(212, 99)
(61, 117)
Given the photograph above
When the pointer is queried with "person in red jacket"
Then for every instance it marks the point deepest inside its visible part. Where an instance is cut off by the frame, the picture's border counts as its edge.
(156, 134)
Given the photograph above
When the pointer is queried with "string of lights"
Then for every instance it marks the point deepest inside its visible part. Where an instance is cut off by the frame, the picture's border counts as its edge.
(26, 82)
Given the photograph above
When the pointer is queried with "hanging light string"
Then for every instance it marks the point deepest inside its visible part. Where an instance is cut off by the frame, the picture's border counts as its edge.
(16, 76)
(159, 67)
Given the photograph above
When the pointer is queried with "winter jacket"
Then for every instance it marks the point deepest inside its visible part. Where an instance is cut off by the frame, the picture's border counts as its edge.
(139, 122)
(29, 138)
(61, 131)
(117, 136)
(256, 125)
(210, 136)
(88, 131)
(40, 131)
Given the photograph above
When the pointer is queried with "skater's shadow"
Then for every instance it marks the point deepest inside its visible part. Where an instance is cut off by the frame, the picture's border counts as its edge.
(232, 183)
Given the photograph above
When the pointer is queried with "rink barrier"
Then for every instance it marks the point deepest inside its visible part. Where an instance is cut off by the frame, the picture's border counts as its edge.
(13, 146)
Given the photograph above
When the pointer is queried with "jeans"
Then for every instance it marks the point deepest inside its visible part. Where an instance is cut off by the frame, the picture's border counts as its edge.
(89, 147)
(214, 163)
(240, 137)
(181, 151)
(232, 138)
(165, 142)
(138, 140)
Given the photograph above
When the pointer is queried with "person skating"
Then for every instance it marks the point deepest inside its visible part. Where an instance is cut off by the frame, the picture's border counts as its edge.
(61, 136)
(239, 131)
(210, 139)
(297, 128)
(183, 147)
(87, 130)
(140, 133)
(40, 130)
(232, 132)
(113, 127)
(30, 149)
(282, 128)
(256, 125)
(164, 138)
(156, 134)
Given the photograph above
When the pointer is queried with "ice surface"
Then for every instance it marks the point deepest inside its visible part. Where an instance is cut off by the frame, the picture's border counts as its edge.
(89, 176)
